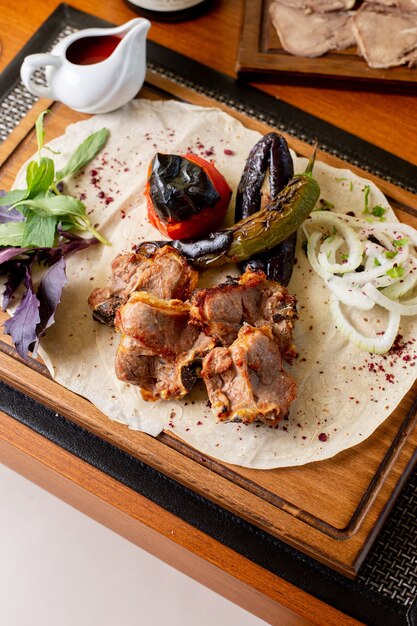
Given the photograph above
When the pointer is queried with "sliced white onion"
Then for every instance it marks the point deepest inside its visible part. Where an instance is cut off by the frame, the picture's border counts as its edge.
(403, 285)
(312, 242)
(360, 278)
(372, 249)
(379, 344)
(367, 244)
(397, 229)
(385, 281)
(351, 296)
(355, 248)
(384, 240)
(329, 249)
(346, 293)
(406, 307)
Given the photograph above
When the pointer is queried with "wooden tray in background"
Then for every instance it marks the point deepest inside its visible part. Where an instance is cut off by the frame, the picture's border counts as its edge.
(331, 510)
(260, 55)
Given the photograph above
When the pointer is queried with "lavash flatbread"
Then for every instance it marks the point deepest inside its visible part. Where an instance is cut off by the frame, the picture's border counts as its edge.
(343, 393)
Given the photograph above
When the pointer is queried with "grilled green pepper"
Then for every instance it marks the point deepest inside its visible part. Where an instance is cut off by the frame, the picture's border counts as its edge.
(261, 231)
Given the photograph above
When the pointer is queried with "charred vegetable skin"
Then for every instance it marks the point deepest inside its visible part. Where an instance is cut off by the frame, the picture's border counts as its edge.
(187, 196)
(271, 152)
(261, 231)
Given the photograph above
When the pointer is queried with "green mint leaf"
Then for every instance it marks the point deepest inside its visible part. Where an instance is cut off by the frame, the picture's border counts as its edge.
(40, 132)
(39, 231)
(399, 243)
(67, 225)
(56, 205)
(344, 257)
(391, 254)
(84, 154)
(378, 211)
(396, 272)
(14, 196)
(39, 176)
(376, 262)
(11, 233)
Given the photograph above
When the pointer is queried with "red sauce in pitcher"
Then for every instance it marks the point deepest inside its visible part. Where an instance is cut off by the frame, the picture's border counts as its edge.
(90, 50)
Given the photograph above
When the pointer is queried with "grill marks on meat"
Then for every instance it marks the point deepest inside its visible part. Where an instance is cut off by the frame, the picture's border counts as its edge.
(163, 273)
(159, 325)
(386, 36)
(406, 5)
(311, 34)
(319, 6)
(221, 311)
(164, 338)
(246, 382)
(159, 349)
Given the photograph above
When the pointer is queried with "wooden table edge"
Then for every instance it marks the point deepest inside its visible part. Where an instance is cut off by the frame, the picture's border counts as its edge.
(159, 532)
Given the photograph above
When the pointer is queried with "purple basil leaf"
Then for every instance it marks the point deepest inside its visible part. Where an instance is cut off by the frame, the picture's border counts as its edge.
(49, 294)
(7, 215)
(36, 313)
(16, 274)
(74, 243)
(10, 215)
(22, 326)
(6, 254)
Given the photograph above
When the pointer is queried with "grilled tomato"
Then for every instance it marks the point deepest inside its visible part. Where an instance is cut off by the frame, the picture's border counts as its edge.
(187, 196)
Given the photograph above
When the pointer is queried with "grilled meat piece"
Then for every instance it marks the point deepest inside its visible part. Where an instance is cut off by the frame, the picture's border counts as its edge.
(221, 311)
(246, 382)
(159, 349)
(163, 272)
(406, 5)
(311, 34)
(318, 6)
(386, 36)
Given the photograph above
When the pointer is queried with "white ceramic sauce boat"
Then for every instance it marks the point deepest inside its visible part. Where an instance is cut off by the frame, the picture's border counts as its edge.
(98, 87)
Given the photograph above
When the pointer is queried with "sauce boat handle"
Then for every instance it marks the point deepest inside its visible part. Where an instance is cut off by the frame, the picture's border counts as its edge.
(30, 65)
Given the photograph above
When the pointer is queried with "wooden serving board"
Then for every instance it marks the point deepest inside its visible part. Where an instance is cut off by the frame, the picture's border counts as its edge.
(261, 55)
(331, 510)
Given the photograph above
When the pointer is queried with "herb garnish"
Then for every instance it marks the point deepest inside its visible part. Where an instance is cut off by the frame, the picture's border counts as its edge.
(399, 243)
(378, 211)
(367, 191)
(41, 204)
(396, 272)
(343, 178)
(35, 232)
